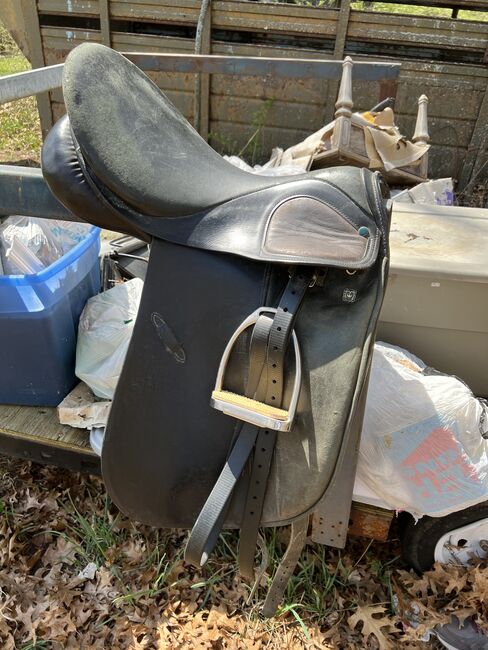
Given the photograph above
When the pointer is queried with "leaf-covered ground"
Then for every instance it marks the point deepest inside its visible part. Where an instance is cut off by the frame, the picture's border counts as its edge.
(74, 573)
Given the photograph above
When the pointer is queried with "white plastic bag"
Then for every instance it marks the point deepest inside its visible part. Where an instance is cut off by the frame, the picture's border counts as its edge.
(422, 445)
(104, 332)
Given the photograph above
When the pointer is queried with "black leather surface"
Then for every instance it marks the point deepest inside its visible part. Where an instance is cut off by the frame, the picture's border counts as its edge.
(240, 226)
(139, 144)
(67, 181)
(165, 446)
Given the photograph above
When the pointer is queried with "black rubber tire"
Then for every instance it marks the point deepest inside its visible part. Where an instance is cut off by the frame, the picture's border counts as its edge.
(419, 539)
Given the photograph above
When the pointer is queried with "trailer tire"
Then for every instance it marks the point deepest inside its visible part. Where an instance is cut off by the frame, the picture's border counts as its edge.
(419, 539)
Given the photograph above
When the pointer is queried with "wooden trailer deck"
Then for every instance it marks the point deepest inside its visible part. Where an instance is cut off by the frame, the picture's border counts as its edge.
(34, 433)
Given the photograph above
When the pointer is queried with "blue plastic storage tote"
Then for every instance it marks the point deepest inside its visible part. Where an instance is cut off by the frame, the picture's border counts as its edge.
(39, 317)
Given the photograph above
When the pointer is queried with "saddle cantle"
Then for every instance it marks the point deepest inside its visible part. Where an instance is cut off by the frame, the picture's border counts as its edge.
(242, 394)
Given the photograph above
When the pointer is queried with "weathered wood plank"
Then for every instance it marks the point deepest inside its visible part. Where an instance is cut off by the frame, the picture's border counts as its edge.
(451, 133)
(105, 22)
(447, 101)
(339, 48)
(278, 114)
(472, 5)
(31, 20)
(58, 42)
(306, 91)
(41, 422)
(474, 168)
(342, 27)
(33, 433)
(228, 137)
(181, 13)
(203, 45)
(87, 8)
(440, 33)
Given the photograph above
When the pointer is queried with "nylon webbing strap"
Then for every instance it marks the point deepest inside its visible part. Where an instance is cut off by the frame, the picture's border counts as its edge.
(266, 383)
(209, 523)
(279, 336)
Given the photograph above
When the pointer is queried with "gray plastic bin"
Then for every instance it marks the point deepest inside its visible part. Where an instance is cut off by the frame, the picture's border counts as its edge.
(436, 304)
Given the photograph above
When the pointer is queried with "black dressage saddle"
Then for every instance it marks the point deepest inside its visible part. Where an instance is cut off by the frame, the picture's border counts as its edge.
(241, 398)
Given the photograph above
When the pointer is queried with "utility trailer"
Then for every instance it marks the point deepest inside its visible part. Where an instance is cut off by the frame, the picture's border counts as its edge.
(34, 433)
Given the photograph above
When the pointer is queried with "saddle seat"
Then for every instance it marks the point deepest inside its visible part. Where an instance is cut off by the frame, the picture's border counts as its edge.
(129, 160)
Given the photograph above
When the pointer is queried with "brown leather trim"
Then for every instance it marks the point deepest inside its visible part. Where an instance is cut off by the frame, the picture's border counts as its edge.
(307, 227)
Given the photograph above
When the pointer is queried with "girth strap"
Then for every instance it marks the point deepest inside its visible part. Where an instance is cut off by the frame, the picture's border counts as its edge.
(266, 361)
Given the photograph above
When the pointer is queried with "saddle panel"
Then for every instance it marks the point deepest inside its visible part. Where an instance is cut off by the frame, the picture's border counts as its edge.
(332, 332)
(164, 445)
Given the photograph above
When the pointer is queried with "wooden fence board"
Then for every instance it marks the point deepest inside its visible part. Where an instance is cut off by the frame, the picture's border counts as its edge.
(421, 32)
(281, 115)
(299, 106)
(85, 8)
(473, 5)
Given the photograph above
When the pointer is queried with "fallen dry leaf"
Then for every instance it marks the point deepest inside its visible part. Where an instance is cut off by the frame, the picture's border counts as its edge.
(377, 627)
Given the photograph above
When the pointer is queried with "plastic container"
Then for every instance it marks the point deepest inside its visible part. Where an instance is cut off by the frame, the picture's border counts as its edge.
(436, 303)
(39, 317)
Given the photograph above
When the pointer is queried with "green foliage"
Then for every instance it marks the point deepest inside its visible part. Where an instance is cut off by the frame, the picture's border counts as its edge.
(434, 12)
(96, 535)
(20, 133)
(253, 149)
(7, 43)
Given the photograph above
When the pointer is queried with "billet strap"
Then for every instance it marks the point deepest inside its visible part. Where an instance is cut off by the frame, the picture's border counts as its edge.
(298, 538)
(267, 356)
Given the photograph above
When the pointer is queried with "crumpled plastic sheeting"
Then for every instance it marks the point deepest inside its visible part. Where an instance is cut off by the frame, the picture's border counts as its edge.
(269, 168)
(28, 244)
(422, 446)
(104, 333)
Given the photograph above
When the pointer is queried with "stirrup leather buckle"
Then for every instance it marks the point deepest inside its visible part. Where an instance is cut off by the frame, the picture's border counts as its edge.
(248, 409)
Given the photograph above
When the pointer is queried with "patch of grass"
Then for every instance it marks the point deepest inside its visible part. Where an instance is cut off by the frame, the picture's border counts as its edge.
(433, 12)
(7, 43)
(96, 536)
(20, 131)
(12, 63)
